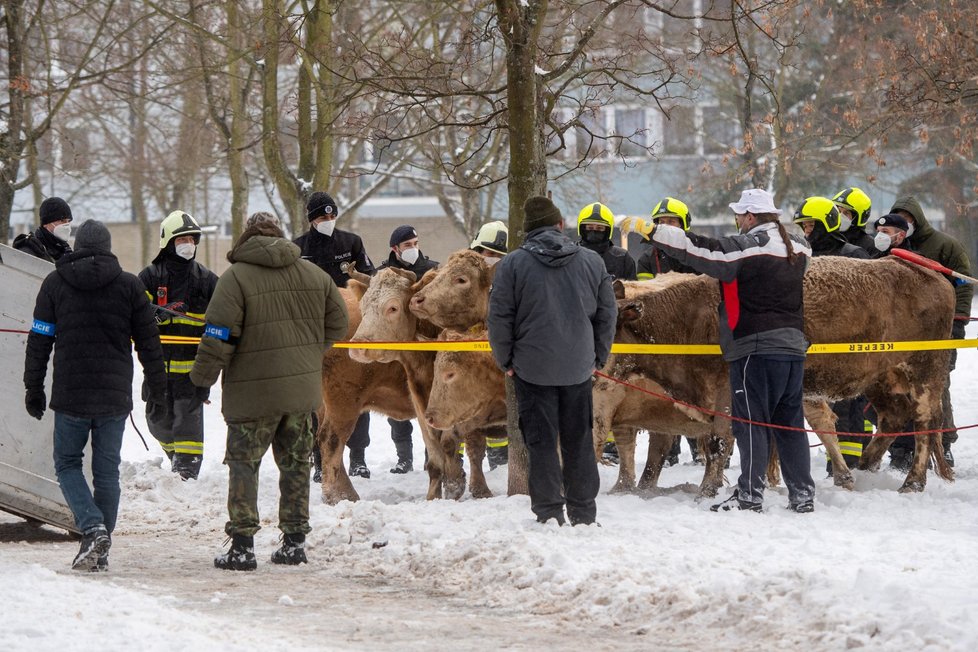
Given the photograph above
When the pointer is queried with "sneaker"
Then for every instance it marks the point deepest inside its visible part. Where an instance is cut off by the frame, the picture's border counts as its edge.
(359, 469)
(292, 551)
(402, 466)
(610, 453)
(102, 565)
(241, 555)
(806, 507)
(734, 502)
(95, 543)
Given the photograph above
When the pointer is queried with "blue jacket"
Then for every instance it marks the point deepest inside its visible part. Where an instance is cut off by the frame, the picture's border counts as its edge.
(552, 310)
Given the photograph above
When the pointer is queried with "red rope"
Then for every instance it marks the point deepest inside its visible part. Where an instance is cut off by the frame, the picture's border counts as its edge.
(714, 413)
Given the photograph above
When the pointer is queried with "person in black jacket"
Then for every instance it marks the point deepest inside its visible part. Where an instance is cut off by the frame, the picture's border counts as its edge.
(405, 254)
(822, 221)
(595, 225)
(551, 321)
(91, 312)
(50, 240)
(331, 248)
(854, 208)
(654, 261)
(181, 288)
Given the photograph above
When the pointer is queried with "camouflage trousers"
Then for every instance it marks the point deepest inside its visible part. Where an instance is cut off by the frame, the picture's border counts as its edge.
(290, 436)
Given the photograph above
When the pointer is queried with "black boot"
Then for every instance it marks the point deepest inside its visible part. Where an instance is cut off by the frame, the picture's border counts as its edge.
(402, 466)
(901, 459)
(317, 464)
(734, 502)
(358, 466)
(672, 458)
(241, 555)
(948, 457)
(497, 456)
(292, 551)
(95, 543)
(610, 453)
(187, 465)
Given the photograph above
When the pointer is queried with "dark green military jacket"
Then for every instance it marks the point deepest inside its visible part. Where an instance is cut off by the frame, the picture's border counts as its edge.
(271, 318)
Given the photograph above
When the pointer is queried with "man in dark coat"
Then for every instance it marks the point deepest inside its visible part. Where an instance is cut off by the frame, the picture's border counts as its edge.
(595, 225)
(330, 249)
(551, 322)
(181, 288)
(405, 254)
(50, 240)
(929, 242)
(91, 312)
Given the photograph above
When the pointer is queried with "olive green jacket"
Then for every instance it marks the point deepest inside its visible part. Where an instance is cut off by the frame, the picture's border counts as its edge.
(945, 249)
(271, 318)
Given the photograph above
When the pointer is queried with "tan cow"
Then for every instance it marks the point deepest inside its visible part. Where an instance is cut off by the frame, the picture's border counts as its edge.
(457, 294)
(385, 317)
(846, 300)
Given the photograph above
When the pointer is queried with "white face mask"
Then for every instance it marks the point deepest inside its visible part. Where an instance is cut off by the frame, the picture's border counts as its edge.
(62, 231)
(882, 241)
(326, 227)
(844, 223)
(491, 260)
(186, 250)
(410, 255)
(910, 231)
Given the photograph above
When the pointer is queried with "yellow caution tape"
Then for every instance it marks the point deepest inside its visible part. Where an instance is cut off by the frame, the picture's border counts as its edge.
(644, 349)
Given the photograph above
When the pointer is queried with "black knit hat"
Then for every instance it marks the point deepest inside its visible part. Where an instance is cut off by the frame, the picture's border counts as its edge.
(93, 235)
(54, 209)
(403, 233)
(319, 204)
(540, 212)
(892, 219)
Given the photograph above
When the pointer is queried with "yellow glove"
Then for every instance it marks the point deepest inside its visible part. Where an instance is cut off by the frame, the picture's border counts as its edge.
(637, 225)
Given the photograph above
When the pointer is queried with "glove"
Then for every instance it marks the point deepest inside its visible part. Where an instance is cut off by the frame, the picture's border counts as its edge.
(36, 403)
(157, 406)
(163, 313)
(637, 225)
(202, 395)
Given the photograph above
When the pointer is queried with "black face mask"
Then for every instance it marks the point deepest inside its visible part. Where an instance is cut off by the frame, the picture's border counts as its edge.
(594, 237)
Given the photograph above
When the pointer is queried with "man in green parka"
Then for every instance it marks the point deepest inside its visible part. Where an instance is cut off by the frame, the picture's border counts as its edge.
(271, 318)
(945, 249)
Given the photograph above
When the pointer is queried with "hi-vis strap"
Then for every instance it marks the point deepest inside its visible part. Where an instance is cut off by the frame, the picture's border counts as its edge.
(179, 366)
(853, 448)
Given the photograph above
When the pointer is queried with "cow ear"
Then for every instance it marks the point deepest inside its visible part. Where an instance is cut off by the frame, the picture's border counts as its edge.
(619, 288)
(425, 281)
(629, 312)
(358, 288)
(409, 275)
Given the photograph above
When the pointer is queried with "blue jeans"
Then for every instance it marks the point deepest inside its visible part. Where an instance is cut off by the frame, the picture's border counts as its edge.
(70, 438)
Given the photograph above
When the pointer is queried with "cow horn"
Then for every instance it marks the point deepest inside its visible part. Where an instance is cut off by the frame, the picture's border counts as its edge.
(350, 270)
(410, 276)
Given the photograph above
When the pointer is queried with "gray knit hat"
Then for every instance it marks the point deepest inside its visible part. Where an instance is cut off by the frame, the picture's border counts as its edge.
(93, 235)
(540, 212)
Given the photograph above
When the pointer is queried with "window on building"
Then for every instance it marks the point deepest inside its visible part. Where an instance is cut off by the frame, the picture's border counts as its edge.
(721, 132)
(631, 135)
(679, 131)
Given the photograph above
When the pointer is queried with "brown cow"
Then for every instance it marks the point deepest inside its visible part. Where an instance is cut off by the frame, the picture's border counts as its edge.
(457, 295)
(385, 317)
(844, 302)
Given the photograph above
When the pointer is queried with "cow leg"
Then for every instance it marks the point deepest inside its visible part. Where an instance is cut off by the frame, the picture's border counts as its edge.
(475, 450)
(821, 417)
(659, 446)
(917, 477)
(336, 483)
(873, 451)
(452, 474)
(717, 449)
(625, 440)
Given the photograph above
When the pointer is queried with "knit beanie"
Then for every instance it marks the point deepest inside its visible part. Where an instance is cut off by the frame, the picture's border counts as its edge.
(402, 233)
(93, 235)
(540, 212)
(319, 204)
(910, 204)
(54, 209)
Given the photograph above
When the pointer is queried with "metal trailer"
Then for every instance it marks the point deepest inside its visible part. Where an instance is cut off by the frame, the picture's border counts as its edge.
(28, 486)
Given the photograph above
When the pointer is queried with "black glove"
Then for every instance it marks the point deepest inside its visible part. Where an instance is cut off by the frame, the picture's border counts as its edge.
(201, 394)
(36, 403)
(157, 406)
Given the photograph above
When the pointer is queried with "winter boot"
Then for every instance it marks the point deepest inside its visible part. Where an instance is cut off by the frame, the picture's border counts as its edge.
(317, 464)
(610, 453)
(672, 458)
(734, 502)
(102, 565)
(805, 507)
(241, 555)
(402, 466)
(95, 542)
(292, 551)
(187, 465)
(948, 457)
(497, 456)
(901, 459)
(694, 448)
(358, 467)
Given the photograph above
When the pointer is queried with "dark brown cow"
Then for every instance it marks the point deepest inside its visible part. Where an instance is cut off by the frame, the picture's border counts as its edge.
(846, 300)
(385, 317)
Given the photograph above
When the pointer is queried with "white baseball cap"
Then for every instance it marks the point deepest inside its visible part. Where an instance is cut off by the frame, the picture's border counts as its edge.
(755, 201)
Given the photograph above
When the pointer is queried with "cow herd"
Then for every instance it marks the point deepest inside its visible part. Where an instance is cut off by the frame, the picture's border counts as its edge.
(460, 395)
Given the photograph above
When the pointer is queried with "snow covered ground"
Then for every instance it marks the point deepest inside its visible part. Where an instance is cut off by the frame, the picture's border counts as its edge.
(870, 569)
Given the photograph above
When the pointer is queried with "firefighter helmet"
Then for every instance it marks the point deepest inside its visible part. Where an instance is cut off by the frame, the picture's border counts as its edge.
(493, 236)
(819, 209)
(858, 202)
(596, 213)
(177, 224)
(671, 207)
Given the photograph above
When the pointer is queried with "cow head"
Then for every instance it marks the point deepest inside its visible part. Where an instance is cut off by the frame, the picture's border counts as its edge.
(385, 315)
(466, 384)
(457, 295)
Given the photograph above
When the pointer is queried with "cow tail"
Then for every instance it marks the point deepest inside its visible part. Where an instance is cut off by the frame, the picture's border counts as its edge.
(944, 470)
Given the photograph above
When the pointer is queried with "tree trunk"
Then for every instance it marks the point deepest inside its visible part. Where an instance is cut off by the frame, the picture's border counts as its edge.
(11, 141)
(237, 88)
